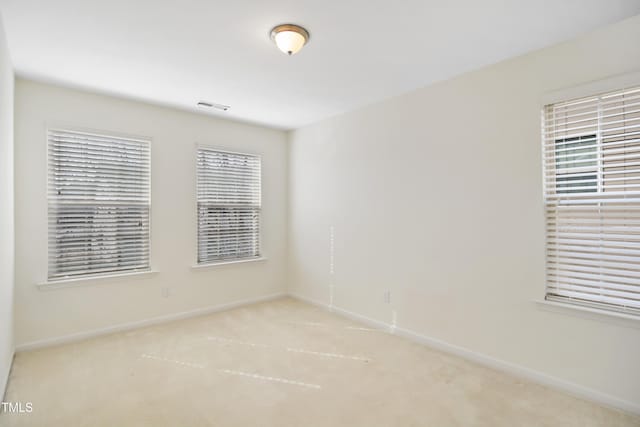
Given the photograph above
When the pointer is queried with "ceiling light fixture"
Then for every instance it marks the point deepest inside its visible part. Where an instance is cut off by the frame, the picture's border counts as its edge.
(289, 38)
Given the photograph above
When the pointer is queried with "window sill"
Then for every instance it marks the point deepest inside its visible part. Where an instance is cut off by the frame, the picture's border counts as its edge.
(90, 280)
(222, 263)
(589, 313)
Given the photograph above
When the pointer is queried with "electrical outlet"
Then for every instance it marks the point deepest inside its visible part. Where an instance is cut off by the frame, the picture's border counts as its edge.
(387, 297)
(166, 292)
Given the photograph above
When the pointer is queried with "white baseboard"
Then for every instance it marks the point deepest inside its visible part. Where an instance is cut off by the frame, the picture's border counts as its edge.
(4, 379)
(351, 315)
(491, 362)
(142, 323)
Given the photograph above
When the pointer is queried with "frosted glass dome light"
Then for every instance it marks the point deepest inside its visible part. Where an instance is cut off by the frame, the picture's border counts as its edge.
(289, 38)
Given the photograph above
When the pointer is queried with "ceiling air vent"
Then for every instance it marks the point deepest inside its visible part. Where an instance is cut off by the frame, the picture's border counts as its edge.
(205, 104)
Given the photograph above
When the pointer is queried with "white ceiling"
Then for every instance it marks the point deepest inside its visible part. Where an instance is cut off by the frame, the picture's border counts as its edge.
(177, 52)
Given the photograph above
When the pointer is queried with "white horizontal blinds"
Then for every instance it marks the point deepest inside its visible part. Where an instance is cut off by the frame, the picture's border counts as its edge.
(99, 199)
(592, 197)
(228, 186)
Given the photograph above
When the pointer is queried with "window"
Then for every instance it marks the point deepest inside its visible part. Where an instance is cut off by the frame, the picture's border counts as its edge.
(99, 200)
(592, 201)
(576, 164)
(228, 206)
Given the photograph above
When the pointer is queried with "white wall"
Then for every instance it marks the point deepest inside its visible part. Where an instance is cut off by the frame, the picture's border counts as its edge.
(43, 315)
(436, 195)
(6, 211)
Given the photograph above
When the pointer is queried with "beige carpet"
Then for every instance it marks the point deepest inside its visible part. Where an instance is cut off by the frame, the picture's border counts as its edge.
(281, 363)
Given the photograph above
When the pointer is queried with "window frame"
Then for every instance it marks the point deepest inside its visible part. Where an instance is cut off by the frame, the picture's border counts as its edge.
(593, 89)
(82, 279)
(197, 265)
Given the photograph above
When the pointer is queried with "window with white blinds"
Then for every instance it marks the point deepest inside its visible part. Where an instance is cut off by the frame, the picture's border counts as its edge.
(99, 201)
(592, 200)
(228, 187)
